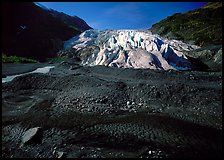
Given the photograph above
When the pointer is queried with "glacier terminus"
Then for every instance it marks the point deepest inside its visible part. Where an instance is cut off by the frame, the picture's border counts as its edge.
(130, 49)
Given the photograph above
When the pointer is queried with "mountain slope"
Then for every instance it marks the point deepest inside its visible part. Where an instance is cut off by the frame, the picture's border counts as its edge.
(72, 21)
(30, 31)
(202, 26)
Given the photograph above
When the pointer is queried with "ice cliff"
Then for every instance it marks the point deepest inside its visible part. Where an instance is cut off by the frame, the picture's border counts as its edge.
(131, 49)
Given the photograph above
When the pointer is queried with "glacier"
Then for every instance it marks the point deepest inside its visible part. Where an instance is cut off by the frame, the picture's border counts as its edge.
(131, 49)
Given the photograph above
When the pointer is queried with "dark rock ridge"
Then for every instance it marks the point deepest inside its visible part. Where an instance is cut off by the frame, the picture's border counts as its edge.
(74, 21)
(207, 58)
(31, 31)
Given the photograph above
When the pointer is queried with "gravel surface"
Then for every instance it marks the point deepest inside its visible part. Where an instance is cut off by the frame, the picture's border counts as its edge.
(12, 68)
(103, 112)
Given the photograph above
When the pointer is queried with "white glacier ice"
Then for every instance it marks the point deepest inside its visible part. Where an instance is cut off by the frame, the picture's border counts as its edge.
(132, 49)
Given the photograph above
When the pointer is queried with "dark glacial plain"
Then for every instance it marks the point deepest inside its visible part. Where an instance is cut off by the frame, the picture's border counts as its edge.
(101, 112)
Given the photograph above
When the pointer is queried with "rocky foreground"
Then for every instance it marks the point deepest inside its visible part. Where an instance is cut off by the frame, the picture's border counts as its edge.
(104, 112)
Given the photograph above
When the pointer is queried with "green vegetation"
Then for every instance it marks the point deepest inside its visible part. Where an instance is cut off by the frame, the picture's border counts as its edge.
(202, 26)
(16, 59)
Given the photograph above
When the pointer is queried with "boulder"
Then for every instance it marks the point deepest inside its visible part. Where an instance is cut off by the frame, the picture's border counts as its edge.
(33, 135)
(218, 57)
(60, 154)
(72, 68)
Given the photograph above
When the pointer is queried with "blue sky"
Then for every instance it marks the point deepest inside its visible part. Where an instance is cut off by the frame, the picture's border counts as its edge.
(122, 15)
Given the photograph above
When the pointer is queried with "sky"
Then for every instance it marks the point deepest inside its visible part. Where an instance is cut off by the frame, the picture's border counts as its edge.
(122, 15)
